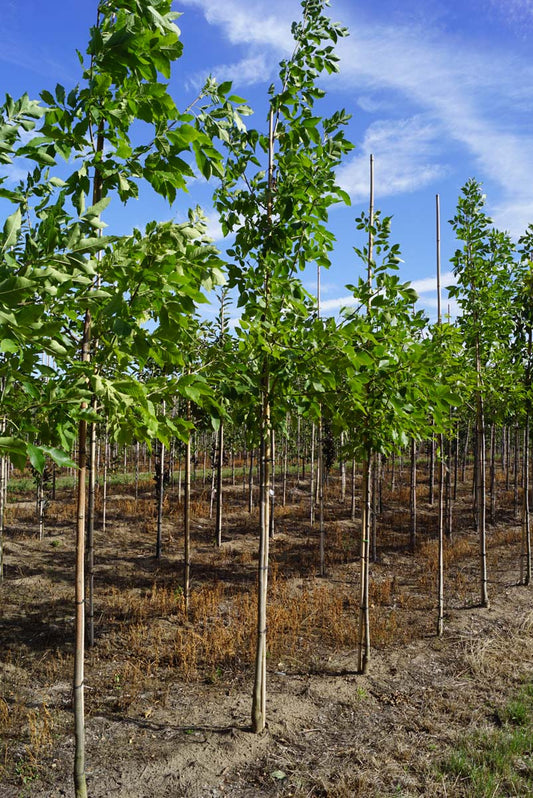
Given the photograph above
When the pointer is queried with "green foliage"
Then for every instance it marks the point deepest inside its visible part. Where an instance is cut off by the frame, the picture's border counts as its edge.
(58, 273)
(391, 384)
(497, 762)
(484, 267)
(275, 195)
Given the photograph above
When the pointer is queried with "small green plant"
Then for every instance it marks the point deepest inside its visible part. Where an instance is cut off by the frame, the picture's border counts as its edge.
(497, 762)
(214, 676)
(26, 771)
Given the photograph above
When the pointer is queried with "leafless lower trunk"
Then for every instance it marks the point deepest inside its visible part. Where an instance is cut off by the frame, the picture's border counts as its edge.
(364, 609)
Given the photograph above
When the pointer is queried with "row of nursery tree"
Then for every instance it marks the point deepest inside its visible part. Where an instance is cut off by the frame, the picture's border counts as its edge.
(97, 329)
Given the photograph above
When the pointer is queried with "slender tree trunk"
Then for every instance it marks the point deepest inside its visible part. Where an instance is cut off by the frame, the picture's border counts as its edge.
(259, 692)
(220, 465)
(352, 504)
(80, 783)
(364, 608)
(40, 505)
(440, 566)
(507, 457)
(412, 535)
(285, 462)
(320, 486)
(449, 496)
(374, 508)
(465, 453)
(90, 532)
(343, 471)
(272, 493)
(526, 533)
(187, 521)
(137, 470)
(431, 494)
(104, 479)
(3, 480)
(515, 469)
(481, 486)
(251, 482)
(312, 484)
(440, 523)
(492, 482)
(302, 452)
(456, 463)
(526, 527)
(160, 500)
(214, 460)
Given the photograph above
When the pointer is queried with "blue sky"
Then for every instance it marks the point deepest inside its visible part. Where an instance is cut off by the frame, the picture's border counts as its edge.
(439, 91)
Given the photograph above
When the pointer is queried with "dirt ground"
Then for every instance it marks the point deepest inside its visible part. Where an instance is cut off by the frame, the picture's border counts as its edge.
(169, 696)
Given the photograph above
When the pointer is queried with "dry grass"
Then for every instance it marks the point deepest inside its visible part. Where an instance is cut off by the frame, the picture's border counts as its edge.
(26, 738)
(219, 631)
(146, 641)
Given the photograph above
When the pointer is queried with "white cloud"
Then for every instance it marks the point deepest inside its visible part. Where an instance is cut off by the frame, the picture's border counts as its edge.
(371, 104)
(246, 72)
(457, 95)
(249, 22)
(424, 287)
(514, 215)
(404, 153)
(449, 308)
(470, 95)
(429, 284)
(214, 228)
(330, 305)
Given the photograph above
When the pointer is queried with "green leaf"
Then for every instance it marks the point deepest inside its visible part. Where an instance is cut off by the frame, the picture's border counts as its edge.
(37, 458)
(11, 229)
(15, 449)
(344, 196)
(59, 457)
(9, 345)
(97, 208)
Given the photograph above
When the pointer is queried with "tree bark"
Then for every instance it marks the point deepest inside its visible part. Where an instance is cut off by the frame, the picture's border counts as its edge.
(364, 609)
(259, 691)
(187, 521)
(90, 533)
(3, 480)
(80, 783)
(160, 500)
(440, 524)
(412, 533)
(481, 487)
(220, 465)
(526, 531)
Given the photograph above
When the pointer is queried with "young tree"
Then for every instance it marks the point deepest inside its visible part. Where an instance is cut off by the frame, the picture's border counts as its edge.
(388, 383)
(52, 244)
(482, 268)
(275, 196)
(523, 355)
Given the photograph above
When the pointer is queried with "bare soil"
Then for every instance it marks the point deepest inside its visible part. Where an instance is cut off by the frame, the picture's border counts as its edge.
(169, 697)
